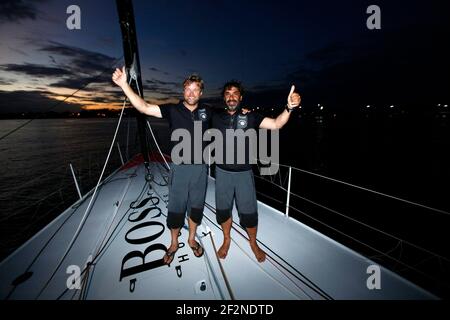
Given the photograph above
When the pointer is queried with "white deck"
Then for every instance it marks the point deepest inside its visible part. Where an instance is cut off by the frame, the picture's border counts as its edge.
(301, 263)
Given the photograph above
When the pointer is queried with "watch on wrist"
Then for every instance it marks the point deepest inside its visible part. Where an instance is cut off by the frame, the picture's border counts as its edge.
(288, 109)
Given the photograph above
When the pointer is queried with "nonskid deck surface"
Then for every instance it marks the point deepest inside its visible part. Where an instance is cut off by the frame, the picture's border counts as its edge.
(125, 235)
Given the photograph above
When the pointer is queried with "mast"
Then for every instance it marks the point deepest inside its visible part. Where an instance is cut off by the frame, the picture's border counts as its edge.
(132, 63)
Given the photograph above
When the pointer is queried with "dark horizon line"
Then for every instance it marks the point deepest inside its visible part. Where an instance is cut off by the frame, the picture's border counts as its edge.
(315, 111)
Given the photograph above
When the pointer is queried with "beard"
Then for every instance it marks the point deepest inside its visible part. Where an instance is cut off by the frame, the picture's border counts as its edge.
(232, 105)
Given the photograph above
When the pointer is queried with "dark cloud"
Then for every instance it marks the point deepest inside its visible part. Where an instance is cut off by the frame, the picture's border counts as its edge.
(152, 89)
(35, 70)
(15, 10)
(86, 82)
(107, 41)
(33, 101)
(162, 87)
(104, 97)
(116, 94)
(75, 69)
(81, 67)
(21, 52)
(6, 82)
(163, 83)
(80, 60)
(157, 70)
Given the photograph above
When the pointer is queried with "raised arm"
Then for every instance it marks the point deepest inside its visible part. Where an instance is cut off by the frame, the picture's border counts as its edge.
(119, 77)
(293, 101)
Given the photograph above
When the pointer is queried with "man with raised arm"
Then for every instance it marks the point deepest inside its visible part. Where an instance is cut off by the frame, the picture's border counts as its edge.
(187, 184)
(234, 180)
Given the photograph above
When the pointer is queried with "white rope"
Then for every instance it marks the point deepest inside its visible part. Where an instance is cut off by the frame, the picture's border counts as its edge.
(157, 145)
(151, 131)
(85, 215)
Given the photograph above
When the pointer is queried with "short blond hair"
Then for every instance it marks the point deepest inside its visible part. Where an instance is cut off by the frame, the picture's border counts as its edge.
(194, 78)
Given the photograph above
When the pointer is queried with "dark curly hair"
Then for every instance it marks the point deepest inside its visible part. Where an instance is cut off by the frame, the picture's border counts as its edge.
(231, 84)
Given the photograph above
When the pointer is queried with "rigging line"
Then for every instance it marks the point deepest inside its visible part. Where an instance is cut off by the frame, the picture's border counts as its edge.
(97, 257)
(366, 245)
(227, 283)
(319, 290)
(377, 256)
(423, 261)
(42, 249)
(314, 288)
(86, 269)
(14, 214)
(89, 283)
(361, 223)
(310, 284)
(151, 131)
(165, 177)
(83, 286)
(75, 208)
(287, 276)
(109, 225)
(207, 257)
(212, 274)
(268, 274)
(269, 197)
(401, 254)
(368, 190)
(210, 277)
(127, 151)
(258, 265)
(86, 213)
(208, 262)
(105, 244)
(17, 188)
(59, 102)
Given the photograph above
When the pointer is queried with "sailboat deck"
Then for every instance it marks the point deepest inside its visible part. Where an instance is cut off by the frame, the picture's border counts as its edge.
(125, 235)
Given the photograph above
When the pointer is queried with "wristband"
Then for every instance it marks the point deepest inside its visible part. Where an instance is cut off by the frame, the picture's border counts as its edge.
(288, 109)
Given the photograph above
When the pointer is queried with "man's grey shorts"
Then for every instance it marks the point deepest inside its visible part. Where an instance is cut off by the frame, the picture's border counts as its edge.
(240, 185)
(187, 191)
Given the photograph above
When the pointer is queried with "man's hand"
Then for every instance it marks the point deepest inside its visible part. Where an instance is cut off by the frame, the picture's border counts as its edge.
(293, 99)
(119, 77)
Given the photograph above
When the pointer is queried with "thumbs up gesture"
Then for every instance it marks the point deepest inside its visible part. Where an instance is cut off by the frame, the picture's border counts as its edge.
(119, 77)
(293, 99)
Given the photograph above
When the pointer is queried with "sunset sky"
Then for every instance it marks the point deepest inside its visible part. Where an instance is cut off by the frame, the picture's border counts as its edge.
(323, 47)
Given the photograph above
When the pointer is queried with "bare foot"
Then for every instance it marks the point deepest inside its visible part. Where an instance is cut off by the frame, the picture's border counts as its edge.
(223, 250)
(259, 254)
(170, 254)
